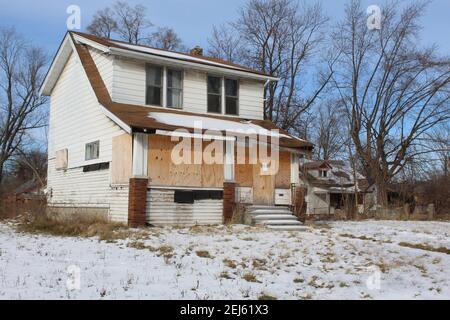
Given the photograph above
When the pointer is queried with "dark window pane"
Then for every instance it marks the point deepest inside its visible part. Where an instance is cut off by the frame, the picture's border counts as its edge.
(174, 79)
(231, 87)
(174, 98)
(214, 85)
(153, 96)
(231, 106)
(92, 150)
(154, 75)
(214, 103)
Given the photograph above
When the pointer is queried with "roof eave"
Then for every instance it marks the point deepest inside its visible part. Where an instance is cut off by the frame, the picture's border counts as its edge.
(202, 66)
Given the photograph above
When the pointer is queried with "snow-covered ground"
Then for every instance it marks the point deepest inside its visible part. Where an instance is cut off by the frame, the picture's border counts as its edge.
(342, 260)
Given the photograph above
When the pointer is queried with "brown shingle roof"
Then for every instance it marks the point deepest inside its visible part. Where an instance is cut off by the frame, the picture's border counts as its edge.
(117, 44)
(137, 116)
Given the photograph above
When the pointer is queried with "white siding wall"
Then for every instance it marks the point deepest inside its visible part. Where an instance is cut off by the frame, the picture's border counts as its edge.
(73, 188)
(162, 210)
(104, 65)
(129, 87)
(129, 81)
(119, 204)
(251, 99)
(76, 119)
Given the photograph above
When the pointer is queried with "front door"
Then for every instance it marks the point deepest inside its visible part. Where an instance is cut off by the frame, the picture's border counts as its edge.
(263, 187)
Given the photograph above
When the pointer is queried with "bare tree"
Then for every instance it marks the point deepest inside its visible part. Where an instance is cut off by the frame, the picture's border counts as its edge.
(329, 134)
(22, 69)
(225, 43)
(129, 23)
(282, 38)
(393, 90)
(103, 23)
(132, 22)
(167, 39)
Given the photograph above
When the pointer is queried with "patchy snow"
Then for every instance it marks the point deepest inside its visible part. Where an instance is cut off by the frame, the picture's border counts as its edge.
(215, 125)
(322, 263)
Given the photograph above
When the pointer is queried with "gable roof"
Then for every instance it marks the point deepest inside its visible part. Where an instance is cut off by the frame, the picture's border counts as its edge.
(181, 56)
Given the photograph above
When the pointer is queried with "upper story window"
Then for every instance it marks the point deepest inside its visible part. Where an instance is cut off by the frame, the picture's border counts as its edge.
(323, 173)
(223, 95)
(154, 77)
(174, 88)
(164, 87)
(231, 96)
(92, 150)
(214, 94)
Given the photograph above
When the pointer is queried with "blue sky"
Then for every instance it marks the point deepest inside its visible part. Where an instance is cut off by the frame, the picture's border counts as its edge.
(44, 22)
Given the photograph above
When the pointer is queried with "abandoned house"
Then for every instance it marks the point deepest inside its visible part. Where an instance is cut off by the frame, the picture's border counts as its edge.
(114, 111)
(334, 188)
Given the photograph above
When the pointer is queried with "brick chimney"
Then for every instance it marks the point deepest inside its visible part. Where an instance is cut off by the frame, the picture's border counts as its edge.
(197, 51)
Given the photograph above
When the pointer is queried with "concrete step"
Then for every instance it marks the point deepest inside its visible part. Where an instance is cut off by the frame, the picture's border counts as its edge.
(274, 217)
(288, 228)
(280, 223)
(269, 211)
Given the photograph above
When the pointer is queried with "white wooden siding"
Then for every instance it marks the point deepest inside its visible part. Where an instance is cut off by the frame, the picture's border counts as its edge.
(251, 99)
(104, 65)
(129, 87)
(162, 210)
(76, 119)
(119, 204)
(129, 81)
(75, 188)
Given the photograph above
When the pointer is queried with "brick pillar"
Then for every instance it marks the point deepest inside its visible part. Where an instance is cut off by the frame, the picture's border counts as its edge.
(229, 201)
(137, 202)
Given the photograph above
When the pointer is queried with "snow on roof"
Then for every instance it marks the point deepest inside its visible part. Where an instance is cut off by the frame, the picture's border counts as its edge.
(206, 123)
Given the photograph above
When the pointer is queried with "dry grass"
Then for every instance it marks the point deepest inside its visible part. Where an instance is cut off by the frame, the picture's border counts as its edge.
(230, 263)
(425, 247)
(74, 225)
(250, 277)
(266, 297)
(204, 254)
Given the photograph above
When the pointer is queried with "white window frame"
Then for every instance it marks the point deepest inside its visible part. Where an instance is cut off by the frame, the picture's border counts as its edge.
(87, 145)
(223, 96)
(165, 87)
(323, 173)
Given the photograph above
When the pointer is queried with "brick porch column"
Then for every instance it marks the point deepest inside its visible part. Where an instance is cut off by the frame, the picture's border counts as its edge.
(229, 200)
(137, 197)
(137, 202)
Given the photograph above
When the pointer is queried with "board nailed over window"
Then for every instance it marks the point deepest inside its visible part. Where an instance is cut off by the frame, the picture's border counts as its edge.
(61, 159)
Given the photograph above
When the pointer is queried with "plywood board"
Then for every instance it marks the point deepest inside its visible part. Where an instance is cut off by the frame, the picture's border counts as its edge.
(283, 177)
(163, 171)
(263, 187)
(121, 164)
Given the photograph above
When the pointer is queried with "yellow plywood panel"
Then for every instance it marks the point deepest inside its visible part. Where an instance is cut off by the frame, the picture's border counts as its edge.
(121, 164)
(283, 177)
(163, 171)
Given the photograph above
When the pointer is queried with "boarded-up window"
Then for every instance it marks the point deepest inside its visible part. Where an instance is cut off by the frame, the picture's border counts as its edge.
(61, 159)
(283, 177)
(162, 171)
(122, 153)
